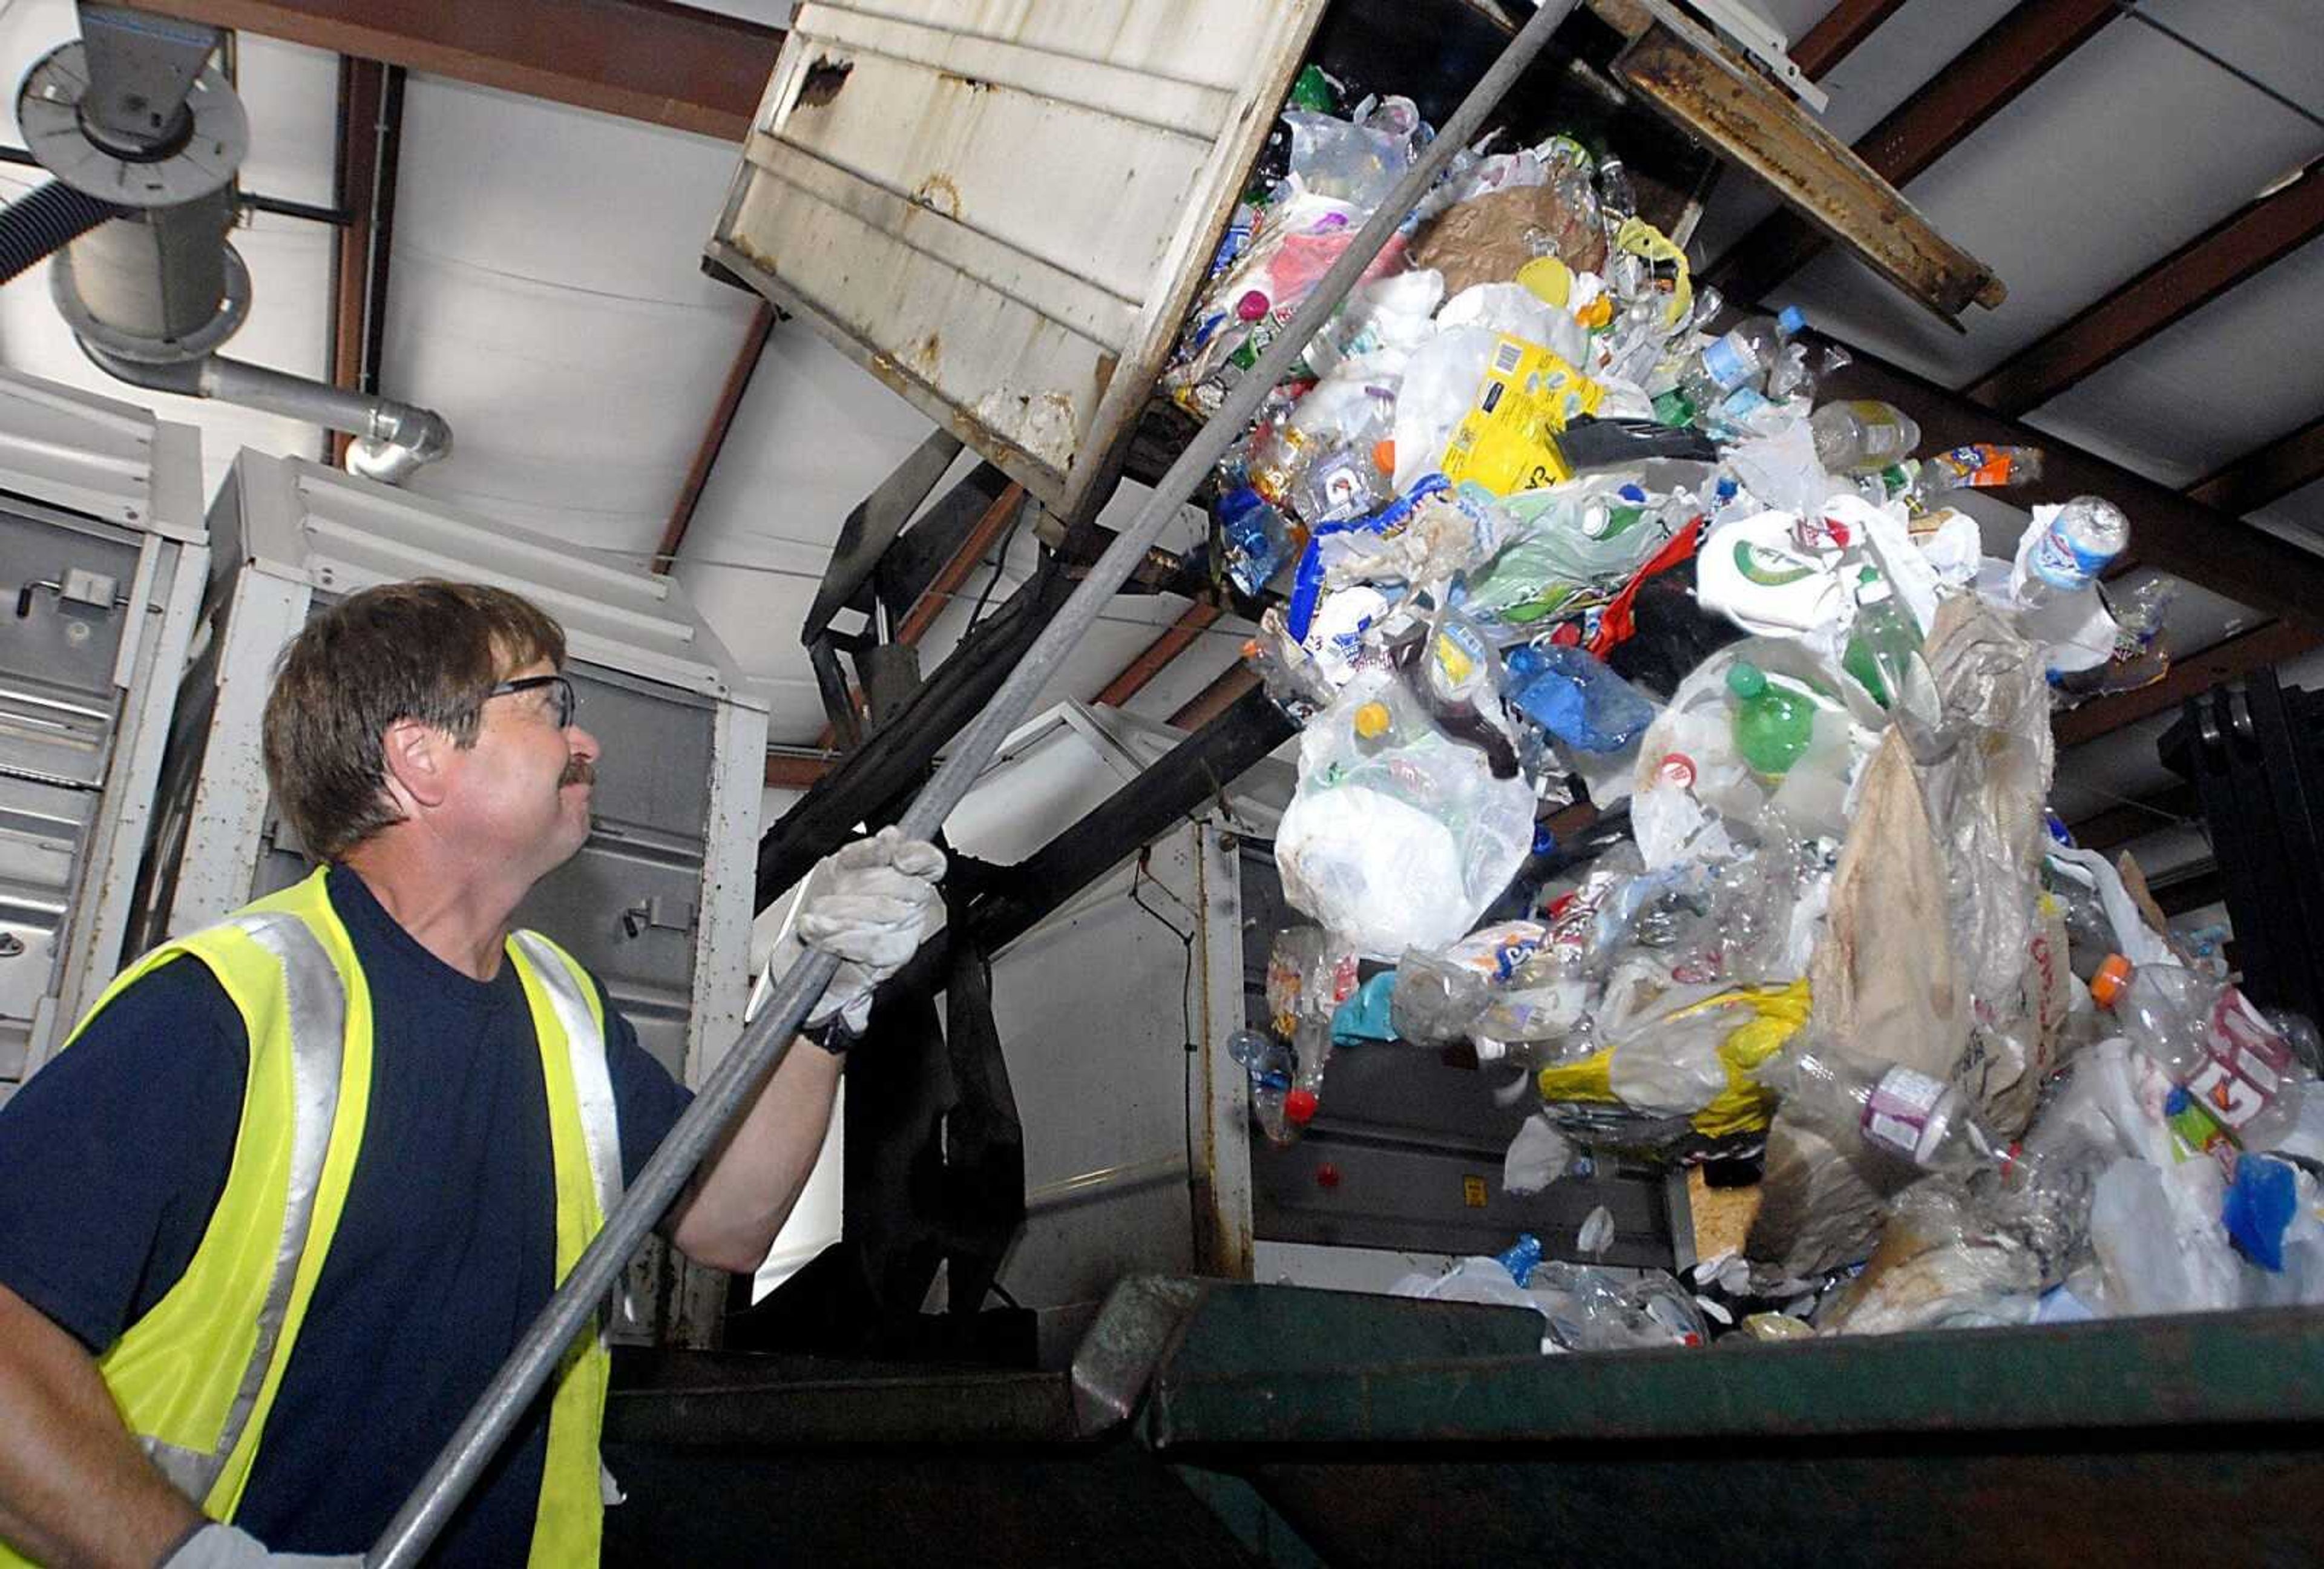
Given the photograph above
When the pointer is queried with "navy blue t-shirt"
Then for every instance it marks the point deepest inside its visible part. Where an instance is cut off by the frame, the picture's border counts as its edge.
(113, 1156)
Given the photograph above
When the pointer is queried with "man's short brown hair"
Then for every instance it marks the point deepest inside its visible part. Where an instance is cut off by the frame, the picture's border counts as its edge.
(427, 650)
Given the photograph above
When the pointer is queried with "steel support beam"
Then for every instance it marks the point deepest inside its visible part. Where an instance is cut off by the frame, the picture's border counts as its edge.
(713, 437)
(369, 146)
(2118, 826)
(2274, 471)
(1835, 38)
(2191, 675)
(2174, 533)
(879, 776)
(1155, 656)
(1217, 698)
(2002, 62)
(2235, 248)
(669, 64)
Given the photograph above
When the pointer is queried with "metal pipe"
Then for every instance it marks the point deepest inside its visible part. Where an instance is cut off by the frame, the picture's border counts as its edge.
(768, 1036)
(393, 439)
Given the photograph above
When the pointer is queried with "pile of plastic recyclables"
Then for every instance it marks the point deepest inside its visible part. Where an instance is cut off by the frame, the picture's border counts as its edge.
(1844, 936)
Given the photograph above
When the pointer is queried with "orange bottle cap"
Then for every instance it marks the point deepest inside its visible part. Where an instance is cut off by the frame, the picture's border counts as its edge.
(1372, 720)
(1384, 454)
(2109, 983)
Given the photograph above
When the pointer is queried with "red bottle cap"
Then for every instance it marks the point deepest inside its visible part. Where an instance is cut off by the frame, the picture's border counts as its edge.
(1251, 306)
(1299, 1106)
(1676, 768)
(1327, 1176)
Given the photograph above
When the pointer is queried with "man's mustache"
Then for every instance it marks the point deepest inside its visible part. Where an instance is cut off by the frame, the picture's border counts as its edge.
(578, 770)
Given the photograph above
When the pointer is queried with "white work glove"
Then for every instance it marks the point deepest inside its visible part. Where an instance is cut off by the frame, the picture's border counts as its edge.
(872, 904)
(221, 1546)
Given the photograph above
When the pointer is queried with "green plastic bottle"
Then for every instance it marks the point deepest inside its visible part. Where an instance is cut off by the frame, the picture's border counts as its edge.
(1882, 641)
(1772, 724)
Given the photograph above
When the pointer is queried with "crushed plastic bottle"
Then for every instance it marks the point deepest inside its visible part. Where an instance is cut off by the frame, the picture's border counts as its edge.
(2208, 1037)
(1882, 1107)
(1573, 695)
(1979, 466)
(1269, 1063)
(1862, 436)
(1728, 378)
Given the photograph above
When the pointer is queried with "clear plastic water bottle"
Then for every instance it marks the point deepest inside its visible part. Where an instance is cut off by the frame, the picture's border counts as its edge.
(2208, 1037)
(1739, 361)
(2082, 538)
(1862, 436)
(1880, 1106)
(1269, 1063)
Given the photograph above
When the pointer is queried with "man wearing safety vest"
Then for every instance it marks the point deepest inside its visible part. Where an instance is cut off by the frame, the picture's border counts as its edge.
(299, 1184)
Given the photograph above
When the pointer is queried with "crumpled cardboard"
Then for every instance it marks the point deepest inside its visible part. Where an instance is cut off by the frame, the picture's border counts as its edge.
(1486, 238)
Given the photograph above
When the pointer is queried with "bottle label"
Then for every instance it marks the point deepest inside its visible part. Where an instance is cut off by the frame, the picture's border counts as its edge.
(1898, 1115)
(1981, 466)
(2247, 1067)
(2063, 562)
(1741, 404)
(1730, 362)
(1507, 442)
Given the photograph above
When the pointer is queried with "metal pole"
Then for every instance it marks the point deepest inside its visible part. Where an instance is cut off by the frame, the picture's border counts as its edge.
(769, 1036)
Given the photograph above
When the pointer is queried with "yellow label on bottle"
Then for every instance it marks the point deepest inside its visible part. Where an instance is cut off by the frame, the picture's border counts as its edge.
(1472, 1192)
(1508, 440)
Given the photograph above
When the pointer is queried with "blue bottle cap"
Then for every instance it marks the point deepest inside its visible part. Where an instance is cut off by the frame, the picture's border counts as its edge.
(1792, 319)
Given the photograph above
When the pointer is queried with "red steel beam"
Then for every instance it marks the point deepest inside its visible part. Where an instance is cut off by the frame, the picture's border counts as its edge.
(923, 612)
(1844, 27)
(2006, 60)
(355, 190)
(713, 437)
(2270, 474)
(1154, 658)
(669, 64)
(2237, 247)
(1215, 699)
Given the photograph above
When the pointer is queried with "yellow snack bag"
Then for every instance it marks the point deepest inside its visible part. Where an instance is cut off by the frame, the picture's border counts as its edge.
(1508, 440)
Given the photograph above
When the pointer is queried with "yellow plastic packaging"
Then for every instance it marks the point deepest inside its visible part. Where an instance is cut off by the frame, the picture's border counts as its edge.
(1508, 440)
(1776, 1015)
(1641, 238)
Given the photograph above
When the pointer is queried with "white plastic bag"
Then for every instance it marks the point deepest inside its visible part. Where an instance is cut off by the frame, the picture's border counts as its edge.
(1400, 839)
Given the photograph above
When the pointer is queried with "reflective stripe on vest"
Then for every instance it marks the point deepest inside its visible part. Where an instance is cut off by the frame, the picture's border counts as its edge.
(195, 1376)
(317, 1016)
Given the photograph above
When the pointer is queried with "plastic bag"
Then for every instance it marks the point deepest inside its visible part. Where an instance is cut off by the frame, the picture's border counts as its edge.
(1355, 162)
(1438, 996)
(1380, 324)
(2160, 1244)
(1571, 546)
(1401, 838)
(1938, 1266)
(1692, 1054)
(1513, 310)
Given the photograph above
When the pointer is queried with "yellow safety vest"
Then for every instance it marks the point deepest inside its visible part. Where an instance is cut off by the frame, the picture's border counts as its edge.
(195, 1376)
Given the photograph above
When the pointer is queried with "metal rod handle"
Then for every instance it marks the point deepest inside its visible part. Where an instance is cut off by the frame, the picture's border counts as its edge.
(768, 1037)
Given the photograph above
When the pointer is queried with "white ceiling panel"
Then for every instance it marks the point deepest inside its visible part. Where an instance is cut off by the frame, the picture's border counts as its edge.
(2302, 511)
(291, 94)
(544, 296)
(2129, 148)
(583, 410)
(2231, 377)
(560, 196)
